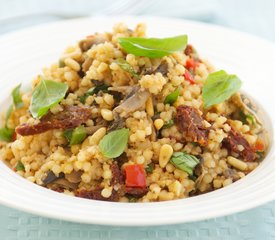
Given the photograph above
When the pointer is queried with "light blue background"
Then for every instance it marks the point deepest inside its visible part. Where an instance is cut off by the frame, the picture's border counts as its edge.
(252, 16)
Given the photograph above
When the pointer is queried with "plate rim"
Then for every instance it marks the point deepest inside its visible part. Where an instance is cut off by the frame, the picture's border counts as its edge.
(140, 222)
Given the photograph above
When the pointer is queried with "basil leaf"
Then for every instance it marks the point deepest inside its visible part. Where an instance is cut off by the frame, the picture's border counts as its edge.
(45, 95)
(149, 168)
(16, 97)
(6, 134)
(78, 136)
(20, 166)
(153, 47)
(219, 86)
(172, 97)
(114, 143)
(92, 91)
(127, 67)
(184, 161)
(168, 124)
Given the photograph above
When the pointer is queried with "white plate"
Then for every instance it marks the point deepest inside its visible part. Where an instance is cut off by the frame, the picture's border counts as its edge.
(24, 53)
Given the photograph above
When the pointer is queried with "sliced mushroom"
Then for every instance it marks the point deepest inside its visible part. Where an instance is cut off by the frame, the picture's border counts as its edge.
(64, 183)
(161, 68)
(88, 42)
(133, 103)
(117, 123)
(125, 90)
(51, 177)
(74, 176)
(200, 171)
(246, 105)
(231, 173)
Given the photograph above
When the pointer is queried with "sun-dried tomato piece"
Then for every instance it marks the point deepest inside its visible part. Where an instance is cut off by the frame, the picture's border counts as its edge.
(70, 118)
(190, 122)
(96, 195)
(136, 191)
(117, 174)
(236, 143)
(189, 50)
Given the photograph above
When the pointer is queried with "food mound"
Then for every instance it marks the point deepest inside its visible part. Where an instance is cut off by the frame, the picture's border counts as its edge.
(126, 118)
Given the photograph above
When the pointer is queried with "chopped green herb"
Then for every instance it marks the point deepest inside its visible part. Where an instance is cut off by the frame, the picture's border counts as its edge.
(75, 136)
(68, 134)
(219, 86)
(184, 161)
(6, 134)
(149, 168)
(247, 118)
(20, 166)
(172, 97)
(45, 95)
(168, 124)
(16, 97)
(78, 135)
(127, 67)
(92, 91)
(250, 119)
(153, 47)
(114, 143)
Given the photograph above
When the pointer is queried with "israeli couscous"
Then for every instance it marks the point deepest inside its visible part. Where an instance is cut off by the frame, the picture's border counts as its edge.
(126, 118)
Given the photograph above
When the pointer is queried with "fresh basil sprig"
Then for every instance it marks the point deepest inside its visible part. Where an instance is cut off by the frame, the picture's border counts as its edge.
(76, 136)
(184, 161)
(127, 67)
(219, 86)
(114, 143)
(153, 47)
(16, 97)
(45, 95)
(172, 97)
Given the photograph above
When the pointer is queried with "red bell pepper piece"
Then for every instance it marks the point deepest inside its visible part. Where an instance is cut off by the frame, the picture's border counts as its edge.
(187, 75)
(135, 176)
(191, 64)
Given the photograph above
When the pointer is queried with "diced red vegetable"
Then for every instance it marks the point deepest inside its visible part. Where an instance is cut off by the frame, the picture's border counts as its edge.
(191, 64)
(259, 146)
(187, 75)
(135, 176)
(14, 136)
